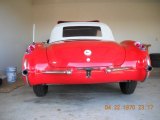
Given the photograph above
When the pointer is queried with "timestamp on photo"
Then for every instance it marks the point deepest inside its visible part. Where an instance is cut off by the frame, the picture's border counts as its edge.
(129, 107)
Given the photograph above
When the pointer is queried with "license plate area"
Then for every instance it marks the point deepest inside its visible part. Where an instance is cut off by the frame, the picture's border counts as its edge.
(89, 70)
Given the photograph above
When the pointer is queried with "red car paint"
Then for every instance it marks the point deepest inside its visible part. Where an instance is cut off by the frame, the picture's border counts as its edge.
(105, 63)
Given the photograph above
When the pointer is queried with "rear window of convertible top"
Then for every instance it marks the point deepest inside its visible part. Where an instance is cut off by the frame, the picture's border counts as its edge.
(75, 31)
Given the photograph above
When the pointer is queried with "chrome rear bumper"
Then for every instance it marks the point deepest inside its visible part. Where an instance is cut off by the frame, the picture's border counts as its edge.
(68, 72)
(108, 70)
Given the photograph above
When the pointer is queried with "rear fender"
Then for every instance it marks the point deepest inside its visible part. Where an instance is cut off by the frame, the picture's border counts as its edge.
(134, 54)
(37, 59)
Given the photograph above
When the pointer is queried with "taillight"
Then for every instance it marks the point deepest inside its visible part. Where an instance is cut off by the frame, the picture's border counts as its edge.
(30, 48)
(140, 46)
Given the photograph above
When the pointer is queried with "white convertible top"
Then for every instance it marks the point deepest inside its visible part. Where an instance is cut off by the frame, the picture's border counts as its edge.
(57, 32)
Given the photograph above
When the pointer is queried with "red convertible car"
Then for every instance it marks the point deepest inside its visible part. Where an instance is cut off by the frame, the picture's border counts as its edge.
(85, 53)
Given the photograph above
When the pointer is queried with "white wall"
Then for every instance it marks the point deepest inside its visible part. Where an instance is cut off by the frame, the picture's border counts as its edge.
(129, 19)
(15, 31)
(138, 19)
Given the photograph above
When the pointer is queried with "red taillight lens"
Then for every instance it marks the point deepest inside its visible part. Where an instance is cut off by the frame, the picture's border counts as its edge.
(30, 48)
(140, 46)
(137, 44)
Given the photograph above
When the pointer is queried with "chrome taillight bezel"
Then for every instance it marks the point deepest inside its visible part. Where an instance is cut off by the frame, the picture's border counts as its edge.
(30, 48)
(140, 46)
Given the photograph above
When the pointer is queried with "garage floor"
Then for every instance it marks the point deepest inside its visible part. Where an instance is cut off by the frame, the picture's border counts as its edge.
(82, 102)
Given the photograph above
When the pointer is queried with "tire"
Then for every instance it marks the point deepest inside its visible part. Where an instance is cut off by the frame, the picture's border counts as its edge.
(0, 82)
(40, 90)
(128, 87)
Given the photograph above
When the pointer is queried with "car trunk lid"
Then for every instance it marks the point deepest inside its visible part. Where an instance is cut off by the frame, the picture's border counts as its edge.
(85, 53)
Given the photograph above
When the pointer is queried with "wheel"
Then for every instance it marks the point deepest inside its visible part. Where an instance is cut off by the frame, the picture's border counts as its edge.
(40, 90)
(0, 82)
(128, 87)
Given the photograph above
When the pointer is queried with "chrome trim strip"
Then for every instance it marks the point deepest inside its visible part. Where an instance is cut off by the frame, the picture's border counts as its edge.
(108, 70)
(84, 68)
(25, 64)
(27, 81)
(68, 72)
(149, 65)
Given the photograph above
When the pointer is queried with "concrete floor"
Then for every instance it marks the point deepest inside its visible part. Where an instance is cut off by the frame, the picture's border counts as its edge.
(84, 102)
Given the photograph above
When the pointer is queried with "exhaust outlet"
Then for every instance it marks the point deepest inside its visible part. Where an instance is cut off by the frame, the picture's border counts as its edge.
(149, 68)
(25, 72)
